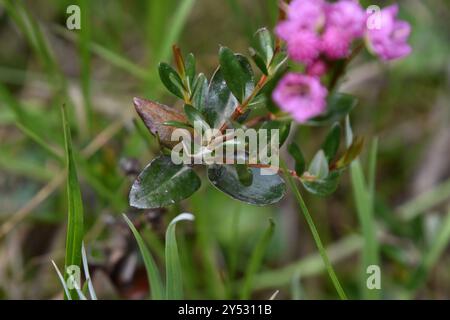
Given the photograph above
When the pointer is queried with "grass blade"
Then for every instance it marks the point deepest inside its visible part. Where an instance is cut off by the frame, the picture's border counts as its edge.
(86, 273)
(174, 280)
(63, 283)
(85, 62)
(364, 194)
(431, 255)
(311, 265)
(256, 260)
(154, 278)
(364, 208)
(177, 22)
(413, 208)
(75, 203)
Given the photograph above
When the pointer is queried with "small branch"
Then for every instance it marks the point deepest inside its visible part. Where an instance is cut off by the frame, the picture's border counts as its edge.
(305, 176)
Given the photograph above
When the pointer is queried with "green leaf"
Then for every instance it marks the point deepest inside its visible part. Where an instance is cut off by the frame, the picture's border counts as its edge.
(174, 279)
(264, 190)
(259, 61)
(278, 62)
(190, 69)
(282, 127)
(171, 80)
(324, 186)
(256, 260)
(153, 276)
(195, 117)
(296, 153)
(236, 73)
(338, 106)
(250, 77)
(220, 102)
(244, 174)
(351, 153)
(178, 124)
(331, 143)
(75, 204)
(162, 183)
(200, 92)
(265, 44)
(319, 165)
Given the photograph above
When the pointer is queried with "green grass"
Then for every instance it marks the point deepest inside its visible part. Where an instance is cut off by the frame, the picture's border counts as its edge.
(255, 261)
(173, 289)
(154, 278)
(431, 255)
(364, 194)
(75, 218)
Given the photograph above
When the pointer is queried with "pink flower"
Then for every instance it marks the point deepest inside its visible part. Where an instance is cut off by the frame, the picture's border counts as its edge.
(348, 16)
(389, 42)
(345, 22)
(305, 18)
(336, 43)
(304, 47)
(308, 14)
(317, 69)
(300, 95)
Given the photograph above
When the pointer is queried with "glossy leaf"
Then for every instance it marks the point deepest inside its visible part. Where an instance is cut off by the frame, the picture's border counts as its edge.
(196, 118)
(171, 79)
(338, 106)
(199, 92)
(295, 151)
(331, 143)
(259, 61)
(237, 73)
(264, 190)
(319, 165)
(163, 183)
(190, 69)
(220, 102)
(323, 186)
(265, 44)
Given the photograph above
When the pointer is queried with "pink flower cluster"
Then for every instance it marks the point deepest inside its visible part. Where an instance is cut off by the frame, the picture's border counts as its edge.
(318, 32)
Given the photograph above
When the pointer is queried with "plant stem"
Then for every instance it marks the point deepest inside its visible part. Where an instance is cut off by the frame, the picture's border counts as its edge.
(241, 108)
(315, 234)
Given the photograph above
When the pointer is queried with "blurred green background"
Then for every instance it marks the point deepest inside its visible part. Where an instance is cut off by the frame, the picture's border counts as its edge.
(96, 71)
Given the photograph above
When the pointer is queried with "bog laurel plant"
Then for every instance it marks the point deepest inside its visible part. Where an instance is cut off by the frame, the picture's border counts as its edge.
(299, 69)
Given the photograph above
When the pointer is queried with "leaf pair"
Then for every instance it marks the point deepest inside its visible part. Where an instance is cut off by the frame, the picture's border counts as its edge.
(323, 172)
(164, 183)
